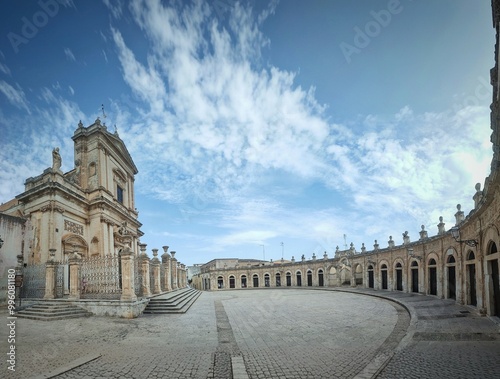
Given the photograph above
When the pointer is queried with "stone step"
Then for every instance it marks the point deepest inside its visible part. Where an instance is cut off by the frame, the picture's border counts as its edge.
(52, 311)
(171, 303)
(181, 305)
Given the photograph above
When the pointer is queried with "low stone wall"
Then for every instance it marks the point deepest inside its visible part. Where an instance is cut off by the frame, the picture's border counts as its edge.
(109, 308)
(113, 308)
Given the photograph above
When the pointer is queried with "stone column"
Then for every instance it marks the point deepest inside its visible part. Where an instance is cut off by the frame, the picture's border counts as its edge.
(50, 276)
(184, 275)
(74, 276)
(165, 261)
(173, 266)
(155, 265)
(128, 276)
(144, 266)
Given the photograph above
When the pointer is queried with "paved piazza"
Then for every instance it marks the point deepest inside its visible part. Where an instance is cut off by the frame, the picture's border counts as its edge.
(268, 333)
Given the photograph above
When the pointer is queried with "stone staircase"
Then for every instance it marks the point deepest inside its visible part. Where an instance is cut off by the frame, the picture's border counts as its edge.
(178, 301)
(52, 310)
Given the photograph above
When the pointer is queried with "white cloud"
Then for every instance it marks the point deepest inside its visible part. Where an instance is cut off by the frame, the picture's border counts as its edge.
(15, 95)
(116, 8)
(69, 54)
(4, 68)
(220, 126)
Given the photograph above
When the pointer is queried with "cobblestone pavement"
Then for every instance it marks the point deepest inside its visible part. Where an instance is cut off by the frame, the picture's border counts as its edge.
(444, 340)
(270, 333)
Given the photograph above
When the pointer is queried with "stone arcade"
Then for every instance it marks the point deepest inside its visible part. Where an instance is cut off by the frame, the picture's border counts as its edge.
(464, 267)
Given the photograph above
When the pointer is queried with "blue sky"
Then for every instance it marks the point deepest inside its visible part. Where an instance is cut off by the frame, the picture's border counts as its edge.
(259, 123)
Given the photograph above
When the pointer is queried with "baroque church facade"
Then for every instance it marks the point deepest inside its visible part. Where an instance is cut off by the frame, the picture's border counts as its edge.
(87, 210)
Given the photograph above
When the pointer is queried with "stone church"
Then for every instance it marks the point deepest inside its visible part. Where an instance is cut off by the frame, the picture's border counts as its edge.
(87, 210)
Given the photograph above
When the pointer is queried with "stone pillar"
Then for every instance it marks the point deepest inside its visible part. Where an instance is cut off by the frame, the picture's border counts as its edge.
(155, 265)
(128, 276)
(50, 276)
(74, 276)
(165, 261)
(144, 267)
(173, 266)
(184, 276)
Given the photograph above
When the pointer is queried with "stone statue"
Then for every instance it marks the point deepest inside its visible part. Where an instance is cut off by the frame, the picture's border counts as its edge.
(56, 160)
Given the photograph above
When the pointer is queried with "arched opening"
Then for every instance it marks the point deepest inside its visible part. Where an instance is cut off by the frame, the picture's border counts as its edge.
(255, 280)
(358, 275)
(452, 281)
(278, 279)
(371, 281)
(220, 282)
(332, 276)
(494, 281)
(432, 277)
(243, 281)
(471, 279)
(309, 278)
(267, 281)
(298, 276)
(399, 277)
(383, 272)
(288, 279)
(414, 276)
(321, 280)
(345, 273)
(232, 282)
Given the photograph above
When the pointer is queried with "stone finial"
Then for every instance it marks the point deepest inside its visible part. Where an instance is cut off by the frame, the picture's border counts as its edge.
(478, 196)
(423, 233)
(441, 226)
(459, 216)
(406, 238)
(155, 253)
(303, 257)
(363, 248)
(97, 121)
(80, 125)
(375, 245)
(314, 257)
(173, 254)
(325, 256)
(293, 259)
(142, 248)
(390, 242)
(165, 249)
(352, 250)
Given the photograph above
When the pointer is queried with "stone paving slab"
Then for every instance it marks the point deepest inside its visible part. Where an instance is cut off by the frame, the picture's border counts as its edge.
(270, 333)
